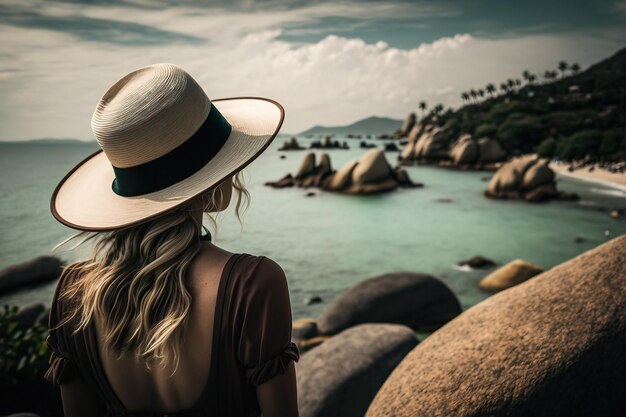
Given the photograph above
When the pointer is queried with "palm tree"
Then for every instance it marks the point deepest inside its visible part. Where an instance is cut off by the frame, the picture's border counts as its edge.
(563, 67)
(422, 107)
(504, 87)
(526, 75)
(465, 96)
(511, 83)
(481, 93)
(575, 68)
(473, 93)
(438, 108)
(532, 78)
(518, 82)
(490, 89)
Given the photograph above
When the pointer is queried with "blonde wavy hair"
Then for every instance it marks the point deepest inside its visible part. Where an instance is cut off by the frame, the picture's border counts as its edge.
(134, 282)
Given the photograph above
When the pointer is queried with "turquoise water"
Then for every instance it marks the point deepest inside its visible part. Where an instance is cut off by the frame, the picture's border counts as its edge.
(329, 242)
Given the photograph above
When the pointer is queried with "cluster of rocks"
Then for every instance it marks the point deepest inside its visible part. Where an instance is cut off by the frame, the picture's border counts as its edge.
(328, 143)
(407, 125)
(291, 145)
(371, 174)
(351, 349)
(428, 143)
(527, 177)
(478, 154)
(552, 346)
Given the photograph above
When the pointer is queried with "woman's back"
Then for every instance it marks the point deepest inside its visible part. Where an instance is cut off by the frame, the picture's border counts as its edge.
(238, 337)
(139, 389)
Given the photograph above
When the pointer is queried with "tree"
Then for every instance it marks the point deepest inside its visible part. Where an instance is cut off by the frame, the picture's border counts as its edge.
(490, 88)
(465, 96)
(563, 67)
(481, 93)
(439, 109)
(575, 68)
(473, 93)
(531, 79)
(504, 87)
(422, 107)
(526, 75)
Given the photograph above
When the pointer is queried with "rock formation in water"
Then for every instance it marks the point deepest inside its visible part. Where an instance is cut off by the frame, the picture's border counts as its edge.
(328, 144)
(407, 125)
(552, 346)
(428, 144)
(35, 271)
(341, 376)
(291, 145)
(527, 177)
(469, 153)
(509, 275)
(371, 174)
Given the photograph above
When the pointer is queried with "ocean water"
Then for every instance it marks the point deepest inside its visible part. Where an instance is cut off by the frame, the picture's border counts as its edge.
(329, 242)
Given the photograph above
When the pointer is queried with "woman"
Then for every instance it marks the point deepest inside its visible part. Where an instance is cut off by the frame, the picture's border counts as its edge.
(160, 321)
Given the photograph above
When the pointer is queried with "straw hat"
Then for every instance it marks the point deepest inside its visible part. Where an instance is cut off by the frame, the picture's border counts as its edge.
(163, 143)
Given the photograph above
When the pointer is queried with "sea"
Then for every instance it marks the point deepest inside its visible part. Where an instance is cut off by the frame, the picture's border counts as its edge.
(328, 242)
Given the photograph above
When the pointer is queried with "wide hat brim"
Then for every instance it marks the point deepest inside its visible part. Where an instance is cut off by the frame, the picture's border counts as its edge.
(85, 200)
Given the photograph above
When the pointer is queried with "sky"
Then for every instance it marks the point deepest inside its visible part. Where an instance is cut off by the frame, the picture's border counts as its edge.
(327, 62)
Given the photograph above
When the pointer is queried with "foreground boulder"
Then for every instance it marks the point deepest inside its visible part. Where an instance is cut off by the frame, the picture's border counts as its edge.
(340, 377)
(552, 346)
(509, 275)
(527, 177)
(35, 271)
(415, 300)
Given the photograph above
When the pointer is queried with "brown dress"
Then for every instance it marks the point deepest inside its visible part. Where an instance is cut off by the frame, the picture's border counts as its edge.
(251, 343)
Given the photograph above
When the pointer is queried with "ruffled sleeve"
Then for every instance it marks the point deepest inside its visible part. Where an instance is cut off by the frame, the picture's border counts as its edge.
(265, 347)
(61, 369)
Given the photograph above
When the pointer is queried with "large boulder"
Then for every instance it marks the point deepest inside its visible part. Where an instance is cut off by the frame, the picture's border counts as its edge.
(35, 271)
(416, 300)
(490, 151)
(432, 145)
(464, 151)
(373, 167)
(525, 177)
(552, 346)
(343, 177)
(509, 275)
(407, 125)
(27, 315)
(537, 175)
(307, 167)
(340, 377)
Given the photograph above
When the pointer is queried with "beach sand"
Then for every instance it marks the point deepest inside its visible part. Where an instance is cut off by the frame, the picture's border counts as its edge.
(598, 175)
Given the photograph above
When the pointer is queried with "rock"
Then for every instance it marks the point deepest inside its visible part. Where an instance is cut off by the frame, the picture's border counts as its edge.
(35, 271)
(283, 157)
(375, 188)
(292, 145)
(372, 167)
(27, 316)
(341, 376)
(490, 151)
(432, 145)
(509, 177)
(408, 152)
(407, 125)
(525, 177)
(365, 145)
(310, 194)
(313, 300)
(580, 240)
(42, 318)
(416, 300)
(391, 147)
(307, 167)
(286, 181)
(544, 192)
(305, 345)
(553, 346)
(464, 151)
(477, 262)
(304, 328)
(342, 178)
(537, 175)
(509, 275)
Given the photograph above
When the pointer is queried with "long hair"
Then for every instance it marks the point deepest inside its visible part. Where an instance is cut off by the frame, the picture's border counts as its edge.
(134, 282)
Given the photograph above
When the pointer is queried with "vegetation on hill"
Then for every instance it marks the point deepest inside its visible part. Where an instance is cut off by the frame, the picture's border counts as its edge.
(562, 113)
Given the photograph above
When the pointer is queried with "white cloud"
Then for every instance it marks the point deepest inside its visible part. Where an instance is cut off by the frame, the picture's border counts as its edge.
(51, 81)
